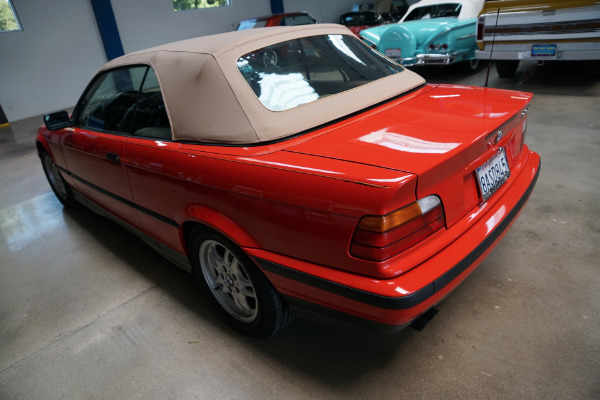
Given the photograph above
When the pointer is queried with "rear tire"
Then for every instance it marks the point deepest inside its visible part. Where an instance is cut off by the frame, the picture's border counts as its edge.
(507, 68)
(61, 189)
(245, 298)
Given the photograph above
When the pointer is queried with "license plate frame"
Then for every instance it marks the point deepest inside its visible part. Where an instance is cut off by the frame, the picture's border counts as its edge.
(492, 174)
(395, 54)
(543, 50)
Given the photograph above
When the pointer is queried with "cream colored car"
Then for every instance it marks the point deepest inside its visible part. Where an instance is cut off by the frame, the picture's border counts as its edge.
(509, 31)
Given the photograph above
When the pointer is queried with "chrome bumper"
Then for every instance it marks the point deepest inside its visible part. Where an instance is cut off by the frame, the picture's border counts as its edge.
(522, 51)
(433, 59)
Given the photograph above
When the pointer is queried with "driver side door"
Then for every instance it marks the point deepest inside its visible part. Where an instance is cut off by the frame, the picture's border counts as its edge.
(94, 149)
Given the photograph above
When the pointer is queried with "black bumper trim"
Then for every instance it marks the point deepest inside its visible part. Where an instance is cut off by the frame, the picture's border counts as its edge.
(415, 298)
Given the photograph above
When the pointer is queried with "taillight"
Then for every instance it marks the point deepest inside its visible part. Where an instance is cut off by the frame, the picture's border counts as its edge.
(480, 26)
(437, 46)
(524, 129)
(378, 238)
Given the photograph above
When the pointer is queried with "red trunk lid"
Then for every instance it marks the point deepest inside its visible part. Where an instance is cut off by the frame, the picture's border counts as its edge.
(440, 135)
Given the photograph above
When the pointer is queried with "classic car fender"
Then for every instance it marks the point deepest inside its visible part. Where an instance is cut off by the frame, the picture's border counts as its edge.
(398, 37)
(460, 38)
(462, 34)
(197, 213)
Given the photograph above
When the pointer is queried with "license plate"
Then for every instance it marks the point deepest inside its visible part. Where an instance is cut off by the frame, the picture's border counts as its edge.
(547, 50)
(393, 53)
(492, 174)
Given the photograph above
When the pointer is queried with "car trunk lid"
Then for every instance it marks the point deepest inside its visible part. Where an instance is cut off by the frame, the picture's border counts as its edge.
(441, 136)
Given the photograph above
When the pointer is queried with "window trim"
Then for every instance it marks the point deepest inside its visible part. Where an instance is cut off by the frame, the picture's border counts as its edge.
(81, 103)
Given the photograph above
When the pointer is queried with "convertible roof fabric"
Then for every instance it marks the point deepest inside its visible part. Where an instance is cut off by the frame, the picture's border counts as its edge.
(208, 100)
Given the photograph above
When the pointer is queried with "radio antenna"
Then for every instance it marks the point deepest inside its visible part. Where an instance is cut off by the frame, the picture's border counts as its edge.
(487, 77)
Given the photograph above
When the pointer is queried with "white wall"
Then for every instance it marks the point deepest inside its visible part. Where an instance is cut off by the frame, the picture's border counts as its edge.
(323, 11)
(46, 66)
(147, 23)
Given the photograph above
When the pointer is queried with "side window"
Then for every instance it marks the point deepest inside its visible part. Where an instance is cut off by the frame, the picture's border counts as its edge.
(107, 104)
(126, 101)
(150, 118)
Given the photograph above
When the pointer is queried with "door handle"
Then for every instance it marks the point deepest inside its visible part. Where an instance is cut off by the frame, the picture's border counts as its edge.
(114, 158)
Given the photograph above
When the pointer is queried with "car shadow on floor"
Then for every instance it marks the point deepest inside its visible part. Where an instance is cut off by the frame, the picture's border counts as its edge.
(334, 355)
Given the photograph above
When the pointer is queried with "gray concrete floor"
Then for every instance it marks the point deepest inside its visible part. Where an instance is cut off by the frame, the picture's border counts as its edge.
(87, 311)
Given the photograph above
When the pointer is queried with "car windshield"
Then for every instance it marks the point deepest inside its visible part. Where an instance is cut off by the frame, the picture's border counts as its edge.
(253, 23)
(297, 20)
(300, 71)
(361, 18)
(436, 11)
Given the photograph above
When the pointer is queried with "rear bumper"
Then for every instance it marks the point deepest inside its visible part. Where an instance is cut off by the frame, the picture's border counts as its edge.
(434, 59)
(569, 51)
(366, 303)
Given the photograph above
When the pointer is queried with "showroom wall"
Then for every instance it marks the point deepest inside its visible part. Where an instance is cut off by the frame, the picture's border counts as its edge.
(46, 66)
(323, 11)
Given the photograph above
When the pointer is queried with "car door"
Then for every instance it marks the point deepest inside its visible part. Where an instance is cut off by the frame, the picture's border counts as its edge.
(155, 165)
(94, 150)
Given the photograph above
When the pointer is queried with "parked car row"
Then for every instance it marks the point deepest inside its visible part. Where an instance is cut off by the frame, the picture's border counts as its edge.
(444, 32)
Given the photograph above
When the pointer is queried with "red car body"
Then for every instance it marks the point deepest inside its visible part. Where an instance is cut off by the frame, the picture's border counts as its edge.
(284, 19)
(293, 206)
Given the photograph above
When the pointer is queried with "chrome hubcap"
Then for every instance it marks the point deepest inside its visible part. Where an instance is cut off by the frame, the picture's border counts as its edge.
(228, 281)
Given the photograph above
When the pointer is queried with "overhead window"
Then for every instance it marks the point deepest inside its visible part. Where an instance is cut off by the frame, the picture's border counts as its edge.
(9, 22)
(183, 5)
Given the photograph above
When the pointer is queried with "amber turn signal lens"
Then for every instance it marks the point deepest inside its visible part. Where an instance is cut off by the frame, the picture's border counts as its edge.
(390, 221)
(378, 238)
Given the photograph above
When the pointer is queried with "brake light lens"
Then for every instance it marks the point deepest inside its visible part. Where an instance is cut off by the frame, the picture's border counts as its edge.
(378, 238)
(438, 46)
(480, 27)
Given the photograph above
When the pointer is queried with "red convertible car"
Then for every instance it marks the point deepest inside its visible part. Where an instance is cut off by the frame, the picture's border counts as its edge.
(296, 171)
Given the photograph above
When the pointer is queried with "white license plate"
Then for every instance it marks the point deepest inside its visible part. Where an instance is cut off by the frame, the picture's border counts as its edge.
(492, 174)
(393, 53)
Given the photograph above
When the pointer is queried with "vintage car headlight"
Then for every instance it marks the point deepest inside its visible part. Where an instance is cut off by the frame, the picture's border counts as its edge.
(378, 238)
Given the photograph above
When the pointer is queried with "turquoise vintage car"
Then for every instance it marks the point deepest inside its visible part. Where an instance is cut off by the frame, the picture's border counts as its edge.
(432, 32)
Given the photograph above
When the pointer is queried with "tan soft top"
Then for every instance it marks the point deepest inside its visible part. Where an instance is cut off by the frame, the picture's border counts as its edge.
(208, 99)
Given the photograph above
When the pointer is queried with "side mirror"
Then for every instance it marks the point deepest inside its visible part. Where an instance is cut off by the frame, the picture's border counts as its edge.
(57, 120)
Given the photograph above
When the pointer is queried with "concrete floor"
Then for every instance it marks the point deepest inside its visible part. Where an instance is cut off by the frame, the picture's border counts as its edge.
(88, 311)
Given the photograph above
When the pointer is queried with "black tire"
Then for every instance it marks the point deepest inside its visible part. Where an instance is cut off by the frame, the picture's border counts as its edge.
(245, 298)
(61, 189)
(471, 65)
(507, 68)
